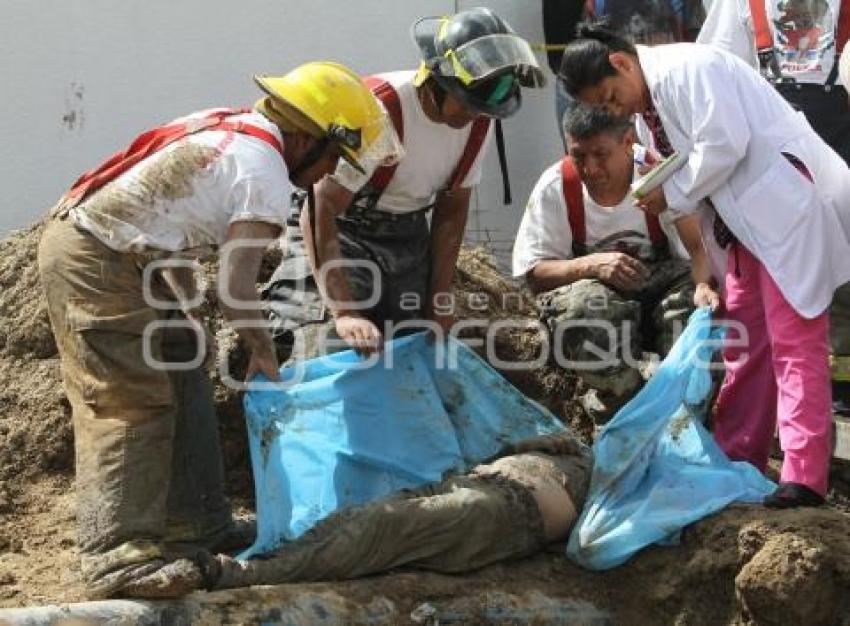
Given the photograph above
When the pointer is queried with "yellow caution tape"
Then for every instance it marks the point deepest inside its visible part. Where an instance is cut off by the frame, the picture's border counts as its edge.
(548, 47)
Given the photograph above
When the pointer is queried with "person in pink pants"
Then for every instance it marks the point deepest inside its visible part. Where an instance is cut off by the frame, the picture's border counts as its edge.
(778, 203)
(780, 374)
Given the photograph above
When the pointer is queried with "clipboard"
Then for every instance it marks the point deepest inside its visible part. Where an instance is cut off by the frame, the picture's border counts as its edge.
(657, 175)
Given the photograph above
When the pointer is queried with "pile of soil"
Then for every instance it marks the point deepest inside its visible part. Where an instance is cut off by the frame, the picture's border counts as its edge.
(485, 295)
(745, 565)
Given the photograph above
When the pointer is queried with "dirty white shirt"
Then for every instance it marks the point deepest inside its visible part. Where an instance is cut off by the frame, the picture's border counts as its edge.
(185, 196)
(432, 152)
(544, 233)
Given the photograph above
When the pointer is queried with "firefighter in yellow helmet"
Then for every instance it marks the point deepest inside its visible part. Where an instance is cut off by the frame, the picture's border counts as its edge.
(116, 263)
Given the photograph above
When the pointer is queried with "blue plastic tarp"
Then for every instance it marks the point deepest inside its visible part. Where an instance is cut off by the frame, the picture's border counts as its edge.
(656, 468)
(343, 434)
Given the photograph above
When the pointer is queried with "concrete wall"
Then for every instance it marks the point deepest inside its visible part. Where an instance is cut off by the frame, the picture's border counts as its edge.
(82, 77)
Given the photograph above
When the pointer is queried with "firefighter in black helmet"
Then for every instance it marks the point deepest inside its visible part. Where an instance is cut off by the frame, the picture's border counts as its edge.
(476, 57)
(398, 267)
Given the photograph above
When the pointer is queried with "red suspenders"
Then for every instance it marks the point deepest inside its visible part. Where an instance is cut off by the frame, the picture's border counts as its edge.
(574, 199)
(387, 94)
(154, 140)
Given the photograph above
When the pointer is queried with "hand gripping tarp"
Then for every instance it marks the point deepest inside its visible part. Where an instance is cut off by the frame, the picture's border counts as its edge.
(344, 434)
(656, 468)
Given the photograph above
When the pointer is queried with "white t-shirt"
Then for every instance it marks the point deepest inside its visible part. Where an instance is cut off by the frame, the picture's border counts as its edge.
(544, 233)
(186, 195)
(432, 152)
(803, 34)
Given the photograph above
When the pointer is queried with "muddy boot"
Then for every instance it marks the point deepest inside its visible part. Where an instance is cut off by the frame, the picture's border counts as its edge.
(110, 585)
(169, 575)
(172, 580)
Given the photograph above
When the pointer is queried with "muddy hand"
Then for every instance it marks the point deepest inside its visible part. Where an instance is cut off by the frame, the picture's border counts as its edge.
(620, 270)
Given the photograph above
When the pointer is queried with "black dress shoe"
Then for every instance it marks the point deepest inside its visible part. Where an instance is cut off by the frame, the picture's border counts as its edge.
(792, 495)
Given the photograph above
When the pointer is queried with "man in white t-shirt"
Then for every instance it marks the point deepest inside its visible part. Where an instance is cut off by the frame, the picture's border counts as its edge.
(399, 271)
(612, 280)
(130, 337)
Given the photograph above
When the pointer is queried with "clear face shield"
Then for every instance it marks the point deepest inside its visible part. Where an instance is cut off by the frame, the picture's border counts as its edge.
(375, 145)
(485, 57)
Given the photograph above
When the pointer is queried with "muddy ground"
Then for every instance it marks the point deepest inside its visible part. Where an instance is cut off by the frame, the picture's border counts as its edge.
(743, 566)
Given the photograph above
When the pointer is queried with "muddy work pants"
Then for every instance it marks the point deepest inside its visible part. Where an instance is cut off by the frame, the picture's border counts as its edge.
(601, 332)
(148, 465)
(458, 525)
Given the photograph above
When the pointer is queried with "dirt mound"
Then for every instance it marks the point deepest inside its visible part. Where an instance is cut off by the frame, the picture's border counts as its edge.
(35, 432)
(25, 331)
(511, 337)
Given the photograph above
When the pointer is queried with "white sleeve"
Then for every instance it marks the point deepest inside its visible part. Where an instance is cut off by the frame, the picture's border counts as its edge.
(261, 194)
(667, 220)
(347, 176)
(728, 26)
(704, 98)
(544, 232)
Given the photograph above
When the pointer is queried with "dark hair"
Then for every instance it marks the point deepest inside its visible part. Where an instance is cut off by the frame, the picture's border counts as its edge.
(585, 61)
(584, 121)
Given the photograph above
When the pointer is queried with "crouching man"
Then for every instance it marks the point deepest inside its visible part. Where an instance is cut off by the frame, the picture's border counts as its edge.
(506, 509)
(150, 483)
(611, 280)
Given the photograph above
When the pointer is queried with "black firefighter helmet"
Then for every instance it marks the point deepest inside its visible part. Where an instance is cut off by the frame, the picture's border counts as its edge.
(476, 57)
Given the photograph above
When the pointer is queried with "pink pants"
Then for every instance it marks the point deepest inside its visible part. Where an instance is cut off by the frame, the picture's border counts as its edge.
(779, 377)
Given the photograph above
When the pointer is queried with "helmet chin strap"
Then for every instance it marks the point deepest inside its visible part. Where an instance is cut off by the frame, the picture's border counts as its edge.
(311, 214)
(310, 158)
(438, 96)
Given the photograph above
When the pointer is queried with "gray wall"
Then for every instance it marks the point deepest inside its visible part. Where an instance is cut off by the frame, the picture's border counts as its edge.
(82, 77)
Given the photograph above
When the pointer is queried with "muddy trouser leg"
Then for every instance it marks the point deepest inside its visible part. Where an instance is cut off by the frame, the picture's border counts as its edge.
(460, 524)
(670, 302)
(123, 410)
(198, 511)
(596, 331)
(296, 309)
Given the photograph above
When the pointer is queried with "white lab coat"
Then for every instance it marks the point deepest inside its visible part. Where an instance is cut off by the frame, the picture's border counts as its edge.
(734, 127)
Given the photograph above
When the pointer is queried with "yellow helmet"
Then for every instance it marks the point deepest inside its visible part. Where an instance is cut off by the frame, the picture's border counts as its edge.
(331, 102)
